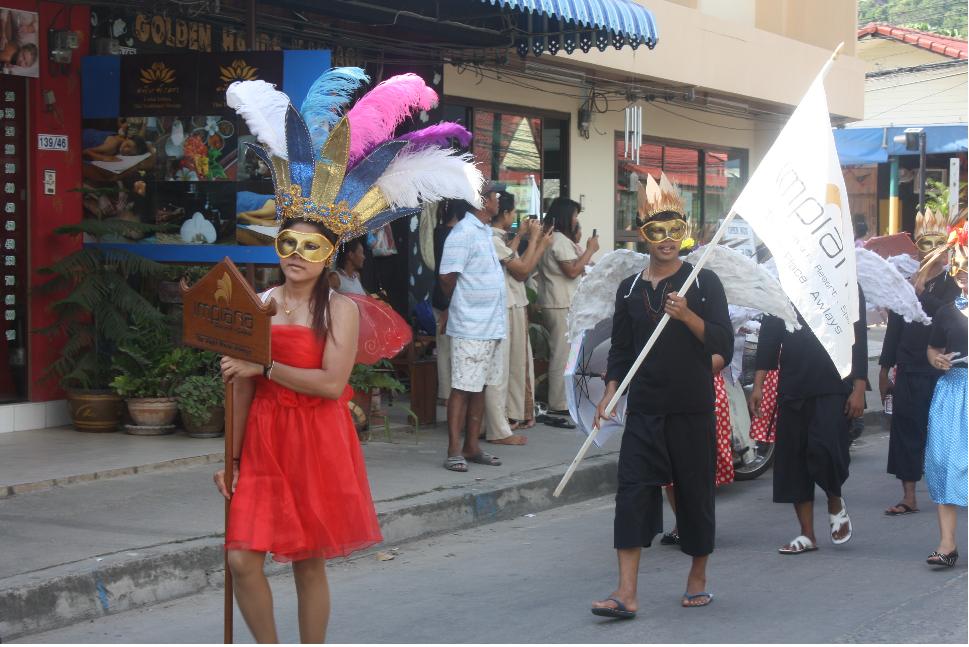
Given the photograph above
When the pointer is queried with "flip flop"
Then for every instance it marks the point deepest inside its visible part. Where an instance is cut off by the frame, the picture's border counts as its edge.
(798, 545)
(906, 509)
(938, 559)
(620, 611)
(671, 538)
(456, 463)
(484, 458)
(560, 423)
(690, 598)
(837, 520)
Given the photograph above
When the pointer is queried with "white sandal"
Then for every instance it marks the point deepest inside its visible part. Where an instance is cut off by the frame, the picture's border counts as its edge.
(838, 520)
(798, 545)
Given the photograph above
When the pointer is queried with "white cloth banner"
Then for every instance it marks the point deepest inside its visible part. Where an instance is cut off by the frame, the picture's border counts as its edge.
(797, 203)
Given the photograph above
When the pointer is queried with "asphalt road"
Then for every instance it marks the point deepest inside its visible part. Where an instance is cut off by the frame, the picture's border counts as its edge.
(531, 579)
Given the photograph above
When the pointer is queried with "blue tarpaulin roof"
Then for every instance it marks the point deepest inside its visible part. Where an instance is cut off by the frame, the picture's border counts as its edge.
(864, 145)
(551, 24)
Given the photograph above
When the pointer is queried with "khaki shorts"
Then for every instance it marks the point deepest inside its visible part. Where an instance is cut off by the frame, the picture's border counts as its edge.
(475, 363)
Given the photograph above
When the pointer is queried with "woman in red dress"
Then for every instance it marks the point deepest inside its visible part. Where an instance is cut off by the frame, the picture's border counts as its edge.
(301, 490)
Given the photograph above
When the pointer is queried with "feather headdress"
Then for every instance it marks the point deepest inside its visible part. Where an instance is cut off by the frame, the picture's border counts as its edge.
(930, 223)
(342, 168)
(656, 198)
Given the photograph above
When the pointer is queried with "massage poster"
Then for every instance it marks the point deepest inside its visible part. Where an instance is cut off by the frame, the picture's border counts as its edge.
(160, 147)
(19, 53)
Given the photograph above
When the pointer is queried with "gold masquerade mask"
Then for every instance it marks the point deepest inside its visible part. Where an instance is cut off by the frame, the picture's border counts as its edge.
(958, 262)
(311, 247)
(928, 242)
(661, 230)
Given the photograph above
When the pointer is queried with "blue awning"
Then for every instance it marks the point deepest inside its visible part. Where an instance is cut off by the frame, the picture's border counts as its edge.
(864, 145)
(547, 25)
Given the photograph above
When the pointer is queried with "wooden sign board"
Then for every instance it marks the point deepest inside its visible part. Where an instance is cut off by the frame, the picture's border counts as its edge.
(893, 245)
(224, 315)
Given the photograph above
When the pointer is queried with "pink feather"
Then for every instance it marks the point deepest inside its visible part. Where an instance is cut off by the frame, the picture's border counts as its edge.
(377, 114)
(438, 135)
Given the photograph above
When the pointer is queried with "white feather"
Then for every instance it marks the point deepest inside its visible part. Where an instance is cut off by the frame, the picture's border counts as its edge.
(905, 264)
(429, 175)
(264, 109)
(885, 287)
(595, 296)
(748, 284)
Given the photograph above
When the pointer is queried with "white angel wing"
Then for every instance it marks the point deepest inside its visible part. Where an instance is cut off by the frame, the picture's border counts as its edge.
(885, 287)
(905, 264)
(748, 284)
(595, 296)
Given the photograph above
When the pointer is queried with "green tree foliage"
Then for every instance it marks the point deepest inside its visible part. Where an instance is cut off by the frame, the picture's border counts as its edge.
(944, 17)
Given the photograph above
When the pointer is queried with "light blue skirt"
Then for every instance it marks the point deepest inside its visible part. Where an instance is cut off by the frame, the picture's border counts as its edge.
(947, 445)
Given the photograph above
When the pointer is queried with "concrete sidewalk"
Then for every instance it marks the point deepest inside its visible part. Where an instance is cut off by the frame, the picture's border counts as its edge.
(111, 522)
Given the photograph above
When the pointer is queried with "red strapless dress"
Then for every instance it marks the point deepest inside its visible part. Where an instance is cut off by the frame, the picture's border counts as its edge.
(302, 488)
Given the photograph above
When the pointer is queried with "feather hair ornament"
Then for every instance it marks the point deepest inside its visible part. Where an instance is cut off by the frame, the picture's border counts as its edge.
(324, 102)
(264, 109)
(375, 117)
(438, 135)
(429, 175)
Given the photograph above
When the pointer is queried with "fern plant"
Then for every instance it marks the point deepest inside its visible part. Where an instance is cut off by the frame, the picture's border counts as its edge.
(100, 307)
(937, 195)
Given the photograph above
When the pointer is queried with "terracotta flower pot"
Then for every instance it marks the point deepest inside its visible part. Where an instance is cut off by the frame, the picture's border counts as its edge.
(153, 412)
(360, 407)
(95, 411)
(207, 428)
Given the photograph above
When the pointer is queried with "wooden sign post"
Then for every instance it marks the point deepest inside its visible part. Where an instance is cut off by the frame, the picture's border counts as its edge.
(223, 314)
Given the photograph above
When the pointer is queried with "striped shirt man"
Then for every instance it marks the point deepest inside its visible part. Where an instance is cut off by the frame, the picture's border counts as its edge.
(477, 308)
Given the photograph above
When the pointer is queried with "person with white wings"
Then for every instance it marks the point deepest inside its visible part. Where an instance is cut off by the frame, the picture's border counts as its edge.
(670, 431)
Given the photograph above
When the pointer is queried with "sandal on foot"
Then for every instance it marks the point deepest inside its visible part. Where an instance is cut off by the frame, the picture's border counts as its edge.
(938, 559)
(561, 423)
(906, 509)
(619, 611)
(484, 458)
(688, 599)
(671, 538)
(798, 545)
(456, 463)
(837, 520)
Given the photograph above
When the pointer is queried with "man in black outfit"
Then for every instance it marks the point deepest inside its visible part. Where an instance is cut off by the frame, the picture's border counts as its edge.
(670, 434)
(904, 348)
(815, 409)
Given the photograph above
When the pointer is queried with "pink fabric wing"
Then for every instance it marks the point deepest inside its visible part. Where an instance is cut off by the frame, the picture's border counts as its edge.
(383, 332)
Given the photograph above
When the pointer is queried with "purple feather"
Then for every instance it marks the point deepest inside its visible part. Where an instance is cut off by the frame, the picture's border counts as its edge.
(438, 135)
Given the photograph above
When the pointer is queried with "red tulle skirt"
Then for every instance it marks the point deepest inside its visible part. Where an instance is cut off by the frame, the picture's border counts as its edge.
(303, 489)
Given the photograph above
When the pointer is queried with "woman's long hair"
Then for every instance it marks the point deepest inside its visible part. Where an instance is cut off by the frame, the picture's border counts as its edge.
(560, 214)
(320, 297)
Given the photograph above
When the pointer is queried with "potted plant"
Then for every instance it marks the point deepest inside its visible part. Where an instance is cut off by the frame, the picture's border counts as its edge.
(95, 306)
(147, 368)
(365, 379)
(201, 398)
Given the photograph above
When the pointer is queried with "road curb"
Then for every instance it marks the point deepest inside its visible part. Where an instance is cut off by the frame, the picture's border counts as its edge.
(77, 479)
(66, 594)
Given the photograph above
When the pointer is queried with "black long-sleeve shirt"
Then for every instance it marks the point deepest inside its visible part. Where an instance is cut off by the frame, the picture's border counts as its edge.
(806, 369)
(676, 376)
(949, 331)
(905, 343)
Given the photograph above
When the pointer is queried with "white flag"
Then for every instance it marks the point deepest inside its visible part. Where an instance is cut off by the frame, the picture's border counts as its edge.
(797, 203)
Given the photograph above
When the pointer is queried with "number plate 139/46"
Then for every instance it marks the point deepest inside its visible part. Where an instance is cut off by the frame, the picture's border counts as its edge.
(51, 142)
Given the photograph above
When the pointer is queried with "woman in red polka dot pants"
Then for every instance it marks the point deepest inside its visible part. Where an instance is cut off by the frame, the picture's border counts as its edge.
(724, 473)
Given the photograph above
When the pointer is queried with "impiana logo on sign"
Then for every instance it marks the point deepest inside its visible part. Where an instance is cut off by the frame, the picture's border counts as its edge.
(223, 292)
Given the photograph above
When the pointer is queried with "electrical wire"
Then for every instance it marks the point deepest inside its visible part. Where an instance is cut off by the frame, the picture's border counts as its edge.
(922, 98)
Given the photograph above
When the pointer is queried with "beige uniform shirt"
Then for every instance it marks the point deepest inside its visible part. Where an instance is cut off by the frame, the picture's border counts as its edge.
(555, 289)
(517, 297)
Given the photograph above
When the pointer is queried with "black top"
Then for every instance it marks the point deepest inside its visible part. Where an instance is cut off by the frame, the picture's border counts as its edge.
(949, 331)
(438, 298)
(676, 376)
(807, 369)
(905, 343)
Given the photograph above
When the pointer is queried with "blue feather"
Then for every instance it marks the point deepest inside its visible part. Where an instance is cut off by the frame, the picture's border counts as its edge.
(323, 105)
